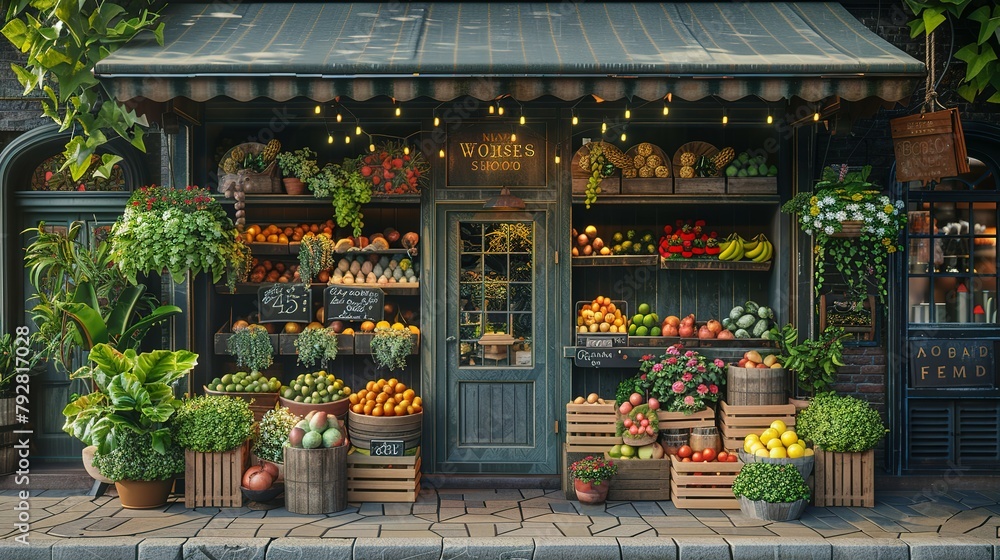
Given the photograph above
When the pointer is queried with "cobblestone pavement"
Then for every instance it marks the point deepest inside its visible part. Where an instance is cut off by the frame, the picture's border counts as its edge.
(450, 523)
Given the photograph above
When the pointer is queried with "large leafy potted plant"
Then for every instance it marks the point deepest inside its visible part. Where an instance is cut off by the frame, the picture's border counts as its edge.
(813, 361)
(178, 231)
(349, 190)
(297, 167)
(771, 492)
(853, 225)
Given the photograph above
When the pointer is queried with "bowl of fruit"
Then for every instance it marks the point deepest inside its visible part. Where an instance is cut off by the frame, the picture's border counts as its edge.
(255, 388)
(316, 391)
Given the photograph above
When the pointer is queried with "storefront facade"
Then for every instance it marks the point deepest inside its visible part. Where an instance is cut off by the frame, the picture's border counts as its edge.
(462, 78)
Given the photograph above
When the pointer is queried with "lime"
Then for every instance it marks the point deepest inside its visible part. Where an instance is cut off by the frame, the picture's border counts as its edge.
(642, 331)
(289, 393)
(230, 387)
(220, 387)
(655, 331)
(215, 382)
(227, 378)
(649, 321)
(239, 388)
(643, 309)
(632, 329)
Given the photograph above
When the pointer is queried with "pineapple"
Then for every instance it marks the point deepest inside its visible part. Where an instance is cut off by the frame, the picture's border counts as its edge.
(687, 159)
(237, 155)
(722, 159)
(616, 156)
(639, 162)
(229, 166)
(645, 172)
(654, 161)
(271, 150)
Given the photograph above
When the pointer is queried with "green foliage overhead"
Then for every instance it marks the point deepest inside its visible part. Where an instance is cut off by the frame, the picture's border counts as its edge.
(982, 71)
(63, 41)
(771, 483)
(213, 423)
(841, 424)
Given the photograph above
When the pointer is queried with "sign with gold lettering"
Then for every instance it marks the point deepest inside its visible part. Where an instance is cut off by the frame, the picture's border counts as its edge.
(497, 154)
(952, 363)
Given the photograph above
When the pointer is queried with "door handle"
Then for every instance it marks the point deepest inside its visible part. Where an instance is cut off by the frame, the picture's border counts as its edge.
(450, 339)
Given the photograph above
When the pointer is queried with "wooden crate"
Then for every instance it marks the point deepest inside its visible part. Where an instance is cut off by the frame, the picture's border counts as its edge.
(590, 428)
(844, 479)
(213, 479)
(286, 344)
(752, 185)
(640, 479)
(736, 422)
(383, 479)
(676, 420)
(700, 185)
(579, 177)
(697, 486)
(647, 185)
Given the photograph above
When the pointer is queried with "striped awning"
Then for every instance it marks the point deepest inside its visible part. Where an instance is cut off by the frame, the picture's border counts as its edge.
(568, 50)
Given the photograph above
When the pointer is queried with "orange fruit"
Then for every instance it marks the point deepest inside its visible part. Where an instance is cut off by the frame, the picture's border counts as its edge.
(367, 326)
(399, 388)
(377, 411)
(398, 326)
(348, 330)
(382, 325)
(389, 409)
(272, 238)
(282, 238)
(357, 409)
(399, 410)
(414, 329)
(409, 394)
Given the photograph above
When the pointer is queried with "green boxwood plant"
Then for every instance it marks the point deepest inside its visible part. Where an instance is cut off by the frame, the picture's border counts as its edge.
(273, 434)
(770, 482)
(134, 459)
(840, 423)
(213, 423)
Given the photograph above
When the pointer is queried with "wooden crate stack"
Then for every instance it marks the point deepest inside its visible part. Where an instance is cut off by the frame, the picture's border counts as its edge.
(640, 479)
(213, 479)
(736, 422)
(678, 420)
(590, 430)
(383, 479)
(703, 485)
(844, 479)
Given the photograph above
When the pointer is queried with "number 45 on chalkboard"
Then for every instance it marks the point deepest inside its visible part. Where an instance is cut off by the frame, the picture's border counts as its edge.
(285, 303)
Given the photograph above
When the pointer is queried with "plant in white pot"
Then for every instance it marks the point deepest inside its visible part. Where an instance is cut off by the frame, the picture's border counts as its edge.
(771, 492)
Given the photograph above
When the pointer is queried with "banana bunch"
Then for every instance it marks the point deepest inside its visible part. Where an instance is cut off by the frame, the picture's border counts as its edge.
(759, 249)
(732, 248)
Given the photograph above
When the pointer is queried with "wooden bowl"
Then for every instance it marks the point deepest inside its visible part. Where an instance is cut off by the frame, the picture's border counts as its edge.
(337, 408)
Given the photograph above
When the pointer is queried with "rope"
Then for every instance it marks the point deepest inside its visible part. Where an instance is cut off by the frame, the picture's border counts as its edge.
(930, 95)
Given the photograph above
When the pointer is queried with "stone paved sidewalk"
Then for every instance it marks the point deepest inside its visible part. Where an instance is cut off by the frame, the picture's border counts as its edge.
(450, 523)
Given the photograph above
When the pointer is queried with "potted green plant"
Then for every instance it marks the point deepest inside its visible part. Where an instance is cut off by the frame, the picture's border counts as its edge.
(592, 478)
(348, 189)
(316, 344)
(252, 348)
(272, 436)
(682, 380)
(297, 167)
(390, 347)
(142, 475)
(178, 231)
(853, 225)
(814, 362)
(771, 492)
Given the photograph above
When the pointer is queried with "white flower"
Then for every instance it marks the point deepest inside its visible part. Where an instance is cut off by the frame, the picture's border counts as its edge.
(828, 230)
(817, 224)
(825, 201)
(841, 215)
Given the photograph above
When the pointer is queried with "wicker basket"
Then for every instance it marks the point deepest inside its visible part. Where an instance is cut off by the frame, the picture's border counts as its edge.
(264, 182)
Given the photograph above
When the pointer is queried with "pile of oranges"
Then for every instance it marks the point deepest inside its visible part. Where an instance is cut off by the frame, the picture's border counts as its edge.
(279, 234)
(386, 398)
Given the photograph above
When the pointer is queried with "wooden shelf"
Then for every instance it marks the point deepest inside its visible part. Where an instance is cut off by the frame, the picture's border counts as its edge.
(245, 288)
(713, 264)
(617, 260)
(308, 199)
(683, 199)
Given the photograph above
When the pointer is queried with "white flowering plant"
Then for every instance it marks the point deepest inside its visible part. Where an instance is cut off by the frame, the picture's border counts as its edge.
(848, 196)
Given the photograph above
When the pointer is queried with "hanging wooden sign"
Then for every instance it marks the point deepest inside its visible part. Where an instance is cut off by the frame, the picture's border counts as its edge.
(496, 154)
(929, 146)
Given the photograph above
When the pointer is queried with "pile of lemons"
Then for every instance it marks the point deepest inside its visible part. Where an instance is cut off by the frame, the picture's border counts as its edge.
(777, 442)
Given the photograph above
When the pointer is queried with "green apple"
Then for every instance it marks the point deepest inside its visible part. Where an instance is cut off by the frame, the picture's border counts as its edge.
(627, 451)
(616, 451)
(646, 452)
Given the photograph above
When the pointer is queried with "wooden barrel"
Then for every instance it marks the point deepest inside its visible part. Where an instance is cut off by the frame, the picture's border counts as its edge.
(316, 480)
(362, 429)
(756, 386)
(673, 439)
(703, 438)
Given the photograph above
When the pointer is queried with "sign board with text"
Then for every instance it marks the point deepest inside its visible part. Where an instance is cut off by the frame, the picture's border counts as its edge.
(387, 448)
(601, 358)
(497, 154)
(353, 304)
(929, 146)
(285, 303)
(952, 363)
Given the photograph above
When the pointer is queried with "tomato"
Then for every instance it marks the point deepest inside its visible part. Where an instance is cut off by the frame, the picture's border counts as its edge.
(697, 457)
(684, 451)
(686, 460)
(733, 458)
(708, 454)
(723, 456)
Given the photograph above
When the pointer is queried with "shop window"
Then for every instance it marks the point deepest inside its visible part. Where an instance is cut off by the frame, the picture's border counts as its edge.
(48, 177)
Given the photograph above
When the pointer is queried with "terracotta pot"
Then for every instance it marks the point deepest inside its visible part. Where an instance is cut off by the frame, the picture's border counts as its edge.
(589, 493)
(143, 494)
(293, 186)
(88, 463)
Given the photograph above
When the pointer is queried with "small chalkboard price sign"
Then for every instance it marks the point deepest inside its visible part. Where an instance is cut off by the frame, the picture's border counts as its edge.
(353, 304)
(600, 357)
(285, 303)
(387, 448)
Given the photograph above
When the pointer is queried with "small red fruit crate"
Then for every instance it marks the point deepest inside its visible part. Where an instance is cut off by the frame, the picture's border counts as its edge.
(703, 485)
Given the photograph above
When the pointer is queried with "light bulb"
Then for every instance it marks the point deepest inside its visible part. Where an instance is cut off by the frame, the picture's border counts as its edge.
(628, 113)
(725, 119)
(513, 137)
(558, 159)
(357, 130)
(623, 136)
(371, 147)
(500, 110)
(399, 111)
(318, 110)
(522, 119)
(604, 127)
(576, 120)
(347, 139)
(437, 122)
(492, 109)
(329, 139)
(441, 153)
(666, 110)
(816, 117)
(770, 119)
(340, 117)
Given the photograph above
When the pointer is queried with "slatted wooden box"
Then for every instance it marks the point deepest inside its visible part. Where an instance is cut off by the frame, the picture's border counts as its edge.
(752, 185)
(844, 479)
(703, 485)
(700, 185)
(736, 422)
(590, 428)
(640, 479)
(213, 479)
(676, 420)
(383, 479)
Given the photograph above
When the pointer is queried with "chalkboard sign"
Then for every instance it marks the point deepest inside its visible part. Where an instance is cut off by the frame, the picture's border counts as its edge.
(952, 363)
(353, 304)
(601, 357)
(929, 146)
(601, 340)
(387, 448)
(285, 303)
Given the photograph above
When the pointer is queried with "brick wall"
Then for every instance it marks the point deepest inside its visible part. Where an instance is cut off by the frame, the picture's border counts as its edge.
(17, 114)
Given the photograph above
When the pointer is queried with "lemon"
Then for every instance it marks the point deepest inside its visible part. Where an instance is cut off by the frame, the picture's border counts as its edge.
(755, 447)
(802, 442)
(767, 435)
(795, 451)
(778, 426)
(751, 438)
(789, 437)
(774, 444)
(778, 453)
(762, 453)
(808, 452)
